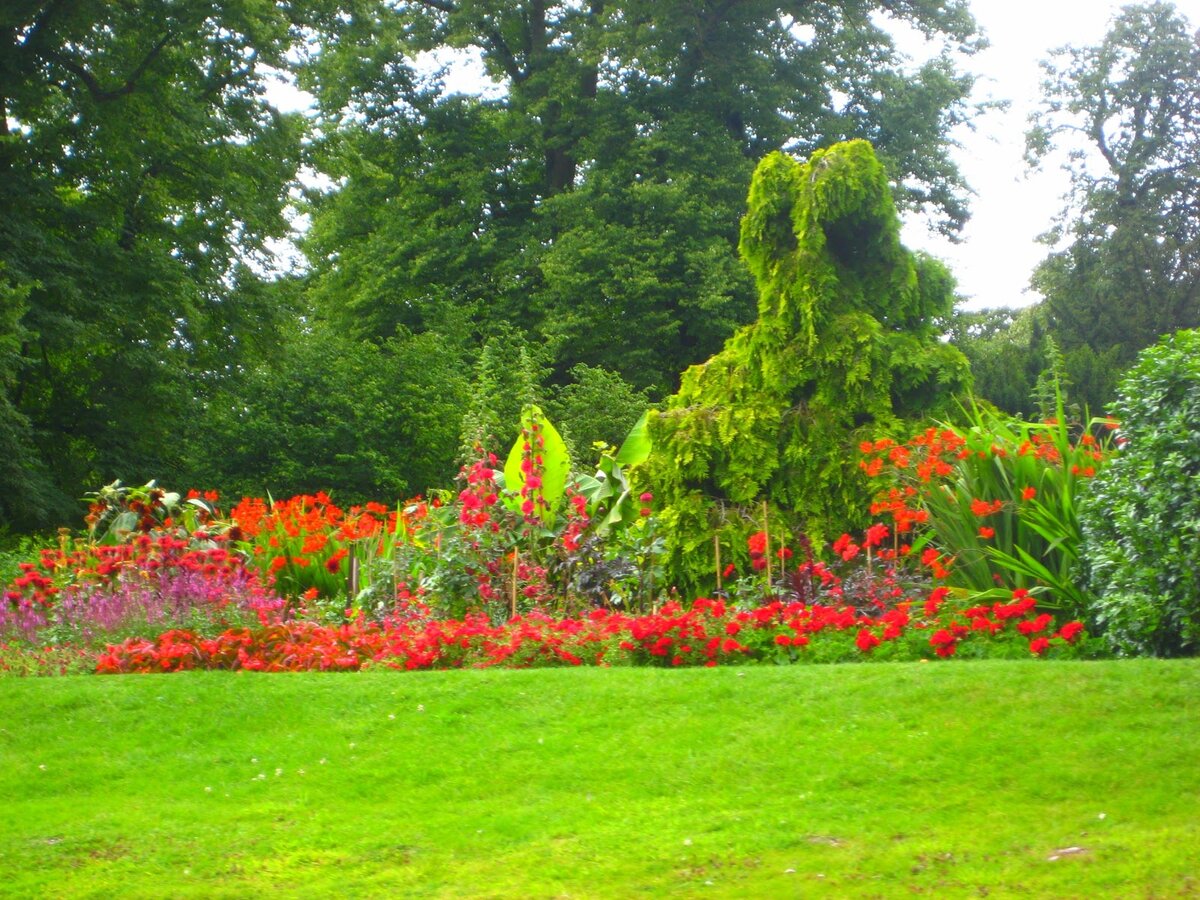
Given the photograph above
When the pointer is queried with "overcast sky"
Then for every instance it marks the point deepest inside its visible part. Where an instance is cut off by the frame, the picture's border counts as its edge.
(1011, 208)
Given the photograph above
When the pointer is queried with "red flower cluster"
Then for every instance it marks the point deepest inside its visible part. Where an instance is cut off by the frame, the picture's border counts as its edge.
(710, 633)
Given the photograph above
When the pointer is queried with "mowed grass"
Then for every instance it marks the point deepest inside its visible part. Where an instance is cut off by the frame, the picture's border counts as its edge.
(959, 779)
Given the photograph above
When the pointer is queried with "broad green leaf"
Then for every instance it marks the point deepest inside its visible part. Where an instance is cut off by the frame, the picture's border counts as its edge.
(555, 465)
(636, 448)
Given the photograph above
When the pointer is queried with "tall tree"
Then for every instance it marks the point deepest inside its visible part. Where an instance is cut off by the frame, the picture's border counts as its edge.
(593, 200)
(1127, 112)
(1006, 350)
(141, 174)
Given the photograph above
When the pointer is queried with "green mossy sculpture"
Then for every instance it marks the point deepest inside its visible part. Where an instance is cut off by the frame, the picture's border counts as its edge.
(845, 349)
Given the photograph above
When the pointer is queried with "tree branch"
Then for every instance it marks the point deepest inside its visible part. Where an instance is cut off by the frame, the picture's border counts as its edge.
(495, 43)
(96, 90)
(37, 31)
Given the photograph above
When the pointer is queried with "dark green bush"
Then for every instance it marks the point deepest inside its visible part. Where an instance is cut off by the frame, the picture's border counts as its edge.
(1141, 522)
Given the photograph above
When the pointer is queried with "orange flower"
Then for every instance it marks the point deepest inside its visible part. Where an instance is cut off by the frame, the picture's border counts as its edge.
(981, 508)
(872, 468)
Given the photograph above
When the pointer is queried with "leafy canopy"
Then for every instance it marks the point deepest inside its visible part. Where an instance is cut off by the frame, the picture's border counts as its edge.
(592, 200)
(1127, 114)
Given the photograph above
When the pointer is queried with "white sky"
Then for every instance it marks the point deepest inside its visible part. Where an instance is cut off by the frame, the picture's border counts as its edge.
(1011, 208)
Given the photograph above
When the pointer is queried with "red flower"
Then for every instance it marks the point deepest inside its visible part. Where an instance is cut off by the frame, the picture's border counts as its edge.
(845, 548)
(943, 642)
(1070, 631)
(1038, 646)
(335, 561)
(983, 508)
(876, 535)
(757, 543)
(1029, 493)
(872, 468)
(985, 532)
(1033, 626)
(866, 640)
(729, 570)
(936, 598)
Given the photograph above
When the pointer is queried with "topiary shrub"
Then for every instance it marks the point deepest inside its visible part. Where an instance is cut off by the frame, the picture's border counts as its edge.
(845, 347)
(1141, 520)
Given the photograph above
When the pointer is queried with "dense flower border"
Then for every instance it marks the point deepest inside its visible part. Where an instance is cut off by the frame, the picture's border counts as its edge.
(709, 633)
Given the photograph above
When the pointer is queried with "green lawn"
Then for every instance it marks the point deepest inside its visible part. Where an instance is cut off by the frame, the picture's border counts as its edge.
(958, 779)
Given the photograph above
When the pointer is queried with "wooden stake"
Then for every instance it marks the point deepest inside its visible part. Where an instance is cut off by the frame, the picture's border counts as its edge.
(767, 543)
(516, 562)
(717, 555)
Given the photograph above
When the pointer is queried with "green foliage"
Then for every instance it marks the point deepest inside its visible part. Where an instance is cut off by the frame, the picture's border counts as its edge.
(328, 412)
(1005, 348)
(142, 175)
(596, 407)
(1125, 111)
(844, 344)
(508, 377)
(590, 198)
(610, 491)
(537, 468)
(1142, 521)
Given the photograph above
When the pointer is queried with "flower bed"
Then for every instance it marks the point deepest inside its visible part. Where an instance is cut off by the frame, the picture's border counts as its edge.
(709, 633)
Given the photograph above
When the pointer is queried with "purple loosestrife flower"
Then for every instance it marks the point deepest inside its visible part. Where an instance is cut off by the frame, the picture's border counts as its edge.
(22, 620)
(141, 601)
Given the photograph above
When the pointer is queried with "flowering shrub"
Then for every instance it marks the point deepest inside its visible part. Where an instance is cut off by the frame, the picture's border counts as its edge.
(80, 594)
(709, 633)
(502, 543)
(996, 499)
(117, 511)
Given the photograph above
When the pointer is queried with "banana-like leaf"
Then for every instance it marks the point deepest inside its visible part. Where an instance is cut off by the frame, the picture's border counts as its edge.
(636, 448)
(547, 443)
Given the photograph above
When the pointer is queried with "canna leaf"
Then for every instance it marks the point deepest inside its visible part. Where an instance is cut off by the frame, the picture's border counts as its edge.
(636, 448)
(541, 450)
